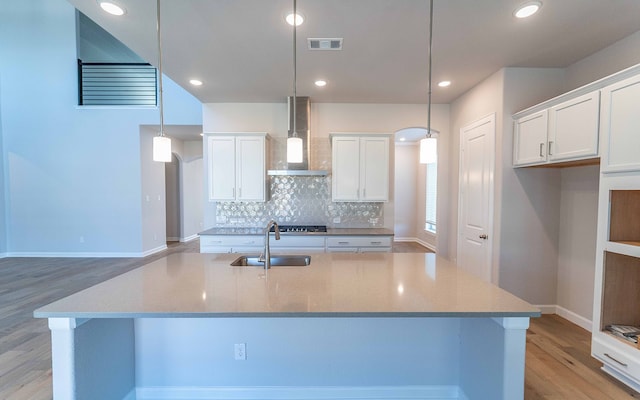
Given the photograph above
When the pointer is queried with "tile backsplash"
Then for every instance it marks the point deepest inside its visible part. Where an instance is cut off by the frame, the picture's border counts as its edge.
(301, 200)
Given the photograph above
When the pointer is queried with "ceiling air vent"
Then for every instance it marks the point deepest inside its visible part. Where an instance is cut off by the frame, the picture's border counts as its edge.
(324, 43)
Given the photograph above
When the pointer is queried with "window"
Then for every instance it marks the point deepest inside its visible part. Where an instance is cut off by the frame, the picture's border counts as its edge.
(430, 198)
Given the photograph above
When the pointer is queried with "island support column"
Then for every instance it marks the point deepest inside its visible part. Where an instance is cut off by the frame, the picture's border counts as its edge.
(92, 358)
(492, 357)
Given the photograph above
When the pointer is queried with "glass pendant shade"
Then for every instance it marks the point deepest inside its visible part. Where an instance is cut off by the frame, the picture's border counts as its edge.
(161, 149)
(428, 150)
(294, 150)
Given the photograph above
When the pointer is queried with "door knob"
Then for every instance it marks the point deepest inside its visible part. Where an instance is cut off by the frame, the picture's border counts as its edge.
(483, 236)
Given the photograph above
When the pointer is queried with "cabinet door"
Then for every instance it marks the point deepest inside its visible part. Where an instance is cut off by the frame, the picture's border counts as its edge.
(620, 127)
(573, 128)
(222, 184)
(250, 168)
(345, 154)
(374, 169)
(530, 140)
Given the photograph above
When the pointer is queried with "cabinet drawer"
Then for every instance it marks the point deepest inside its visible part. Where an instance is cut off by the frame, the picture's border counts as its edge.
(359, 241)
(618, 356)
(231, 240)
(297, 241)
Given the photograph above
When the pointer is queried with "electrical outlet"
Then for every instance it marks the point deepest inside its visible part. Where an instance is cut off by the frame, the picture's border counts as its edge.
(336, 220)
(240, 351)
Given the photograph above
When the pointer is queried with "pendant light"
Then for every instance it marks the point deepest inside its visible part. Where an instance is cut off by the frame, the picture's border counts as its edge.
(294, 143)
(161, 143)
(429, 145)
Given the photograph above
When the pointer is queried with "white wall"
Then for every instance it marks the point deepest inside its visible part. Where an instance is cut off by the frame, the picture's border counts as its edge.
(3, 193)
(577, 239)
(406, 192)
(620, 55)
(153, 195)
(527, 202)
(72, 174)
(325, 119)
(172, 196)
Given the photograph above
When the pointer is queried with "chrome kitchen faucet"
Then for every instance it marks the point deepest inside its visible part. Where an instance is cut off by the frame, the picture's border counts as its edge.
(266, 254)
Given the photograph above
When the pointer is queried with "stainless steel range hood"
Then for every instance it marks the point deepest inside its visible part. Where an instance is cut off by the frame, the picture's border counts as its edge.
(303, 120)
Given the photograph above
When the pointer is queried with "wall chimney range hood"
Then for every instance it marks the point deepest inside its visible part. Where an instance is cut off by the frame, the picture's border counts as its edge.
(303, 109)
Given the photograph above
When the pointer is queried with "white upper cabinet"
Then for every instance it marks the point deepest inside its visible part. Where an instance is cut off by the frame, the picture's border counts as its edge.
(530, 141)
(360, 167)
(573, 128)
(620, 126)
(564, 132)
(237, 170)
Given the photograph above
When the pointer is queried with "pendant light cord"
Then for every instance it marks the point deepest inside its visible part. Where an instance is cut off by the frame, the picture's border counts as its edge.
(161, 104)
(430, 46)
(295, 101)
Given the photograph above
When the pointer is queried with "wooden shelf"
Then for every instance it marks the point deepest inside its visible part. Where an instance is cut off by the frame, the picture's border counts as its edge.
(621, 340)
(621, 297)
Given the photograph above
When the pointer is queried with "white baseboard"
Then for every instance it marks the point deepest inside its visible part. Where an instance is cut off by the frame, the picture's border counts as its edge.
(43, 254)
(131, 395)
(570, 316)
(3, 255)
(189, 238)
(302, 393)
(575, 318)
(153, 251)
(415, 240)
(546, 309)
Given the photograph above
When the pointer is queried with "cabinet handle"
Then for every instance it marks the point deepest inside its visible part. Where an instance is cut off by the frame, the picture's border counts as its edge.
(541, 147)
(483, 236)
(550, 147)
(239, 192)
(233, 193)
(343, 242)
(619, 362)
(364, 193)
(376, 242)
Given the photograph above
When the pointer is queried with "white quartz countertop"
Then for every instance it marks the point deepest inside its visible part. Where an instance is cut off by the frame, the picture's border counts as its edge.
(334, 285)
(329, 232)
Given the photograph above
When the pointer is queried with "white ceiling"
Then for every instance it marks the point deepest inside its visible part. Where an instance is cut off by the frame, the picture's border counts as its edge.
(242, 49)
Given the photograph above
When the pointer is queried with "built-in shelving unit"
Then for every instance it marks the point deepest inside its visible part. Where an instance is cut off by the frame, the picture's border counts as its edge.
(617, 280)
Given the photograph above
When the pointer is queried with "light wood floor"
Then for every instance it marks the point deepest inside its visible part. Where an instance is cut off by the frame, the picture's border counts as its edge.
(559, 365)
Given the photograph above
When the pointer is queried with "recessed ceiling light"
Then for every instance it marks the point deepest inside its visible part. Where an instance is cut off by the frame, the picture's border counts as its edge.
(320, 83)
(112, 8)
(527, 9)
(299, 19)
(444, 83)
(403, 139)
(195, 82)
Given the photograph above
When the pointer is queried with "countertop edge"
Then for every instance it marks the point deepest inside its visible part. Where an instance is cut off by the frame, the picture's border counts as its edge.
(116, 315)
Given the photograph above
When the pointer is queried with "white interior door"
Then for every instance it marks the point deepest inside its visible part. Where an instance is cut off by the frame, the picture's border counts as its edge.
(475, 203)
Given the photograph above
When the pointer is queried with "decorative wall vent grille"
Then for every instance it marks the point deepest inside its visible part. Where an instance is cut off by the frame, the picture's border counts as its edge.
(324, 43)
(116, 84)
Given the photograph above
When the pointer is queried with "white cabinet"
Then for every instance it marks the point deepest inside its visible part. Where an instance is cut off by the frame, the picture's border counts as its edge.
(237, 167)
(617, 278)
(620, 126)
(530, 141)
(564, 132)
(245, 244)
(297, 244)
(358, 244)
(360, 167)
(573, 128)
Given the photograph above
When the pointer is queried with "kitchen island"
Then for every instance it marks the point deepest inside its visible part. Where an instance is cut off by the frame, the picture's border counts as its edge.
(366, 326)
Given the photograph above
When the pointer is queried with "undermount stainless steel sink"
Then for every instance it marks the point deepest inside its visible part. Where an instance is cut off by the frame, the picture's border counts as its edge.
(276, 261)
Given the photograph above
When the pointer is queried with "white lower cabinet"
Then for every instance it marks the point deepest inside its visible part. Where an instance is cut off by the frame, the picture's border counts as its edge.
(231, 243)
(251, 244)
(297, 244)
(358, 244)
